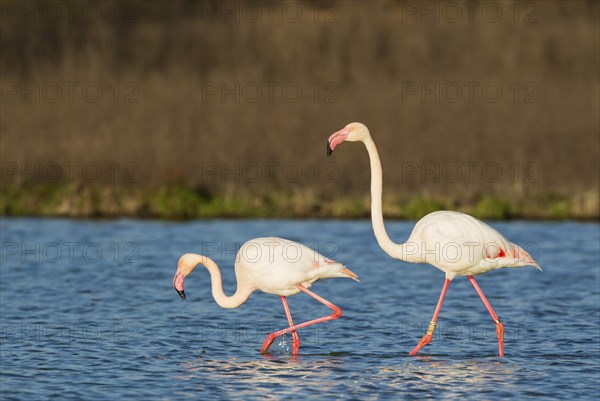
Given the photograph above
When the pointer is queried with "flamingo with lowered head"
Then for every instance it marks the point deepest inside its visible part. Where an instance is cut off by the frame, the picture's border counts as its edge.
(454, 242)
(273, 265)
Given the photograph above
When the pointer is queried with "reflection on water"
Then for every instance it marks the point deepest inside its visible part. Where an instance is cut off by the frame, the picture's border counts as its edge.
(268, 375)
(111, 328)
(260, 377)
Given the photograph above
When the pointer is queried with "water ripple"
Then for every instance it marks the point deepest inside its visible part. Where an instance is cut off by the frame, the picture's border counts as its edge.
(76, 328)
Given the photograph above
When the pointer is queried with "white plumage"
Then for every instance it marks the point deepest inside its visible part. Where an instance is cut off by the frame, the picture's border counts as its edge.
(277, 265)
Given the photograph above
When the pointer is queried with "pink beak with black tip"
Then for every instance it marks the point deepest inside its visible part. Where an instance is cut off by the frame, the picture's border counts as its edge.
(178, 283)
(335, 139)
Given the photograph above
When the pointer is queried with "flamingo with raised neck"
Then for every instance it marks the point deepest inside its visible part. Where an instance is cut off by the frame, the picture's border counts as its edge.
(454, 242)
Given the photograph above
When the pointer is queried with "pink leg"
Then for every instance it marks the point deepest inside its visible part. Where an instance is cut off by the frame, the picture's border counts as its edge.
(499, 325)
(295, 338)
(337, 312)
(427, 337)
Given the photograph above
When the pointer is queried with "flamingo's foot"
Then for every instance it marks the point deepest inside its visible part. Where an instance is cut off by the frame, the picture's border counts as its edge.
(500, 333)
(267, 343)
(295, 344)
(424, 341)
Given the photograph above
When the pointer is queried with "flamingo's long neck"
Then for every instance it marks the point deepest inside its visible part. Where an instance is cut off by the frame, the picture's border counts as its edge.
(239, 297)
(393, 249)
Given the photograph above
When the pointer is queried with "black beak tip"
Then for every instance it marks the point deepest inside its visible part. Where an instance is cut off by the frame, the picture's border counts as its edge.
(181, 294)
(329, 151)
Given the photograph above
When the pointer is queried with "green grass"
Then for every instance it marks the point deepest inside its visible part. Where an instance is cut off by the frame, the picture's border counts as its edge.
(177, 201)
(495, 208)
(419, 207)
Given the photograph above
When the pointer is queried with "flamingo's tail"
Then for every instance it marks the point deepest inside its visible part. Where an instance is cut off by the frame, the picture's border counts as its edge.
(521, 255)
(349, 273)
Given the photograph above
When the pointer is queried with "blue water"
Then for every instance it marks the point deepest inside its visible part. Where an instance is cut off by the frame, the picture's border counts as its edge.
(88, 312)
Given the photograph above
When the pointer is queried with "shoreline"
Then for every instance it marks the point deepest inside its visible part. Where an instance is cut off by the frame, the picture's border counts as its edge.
(177, 202)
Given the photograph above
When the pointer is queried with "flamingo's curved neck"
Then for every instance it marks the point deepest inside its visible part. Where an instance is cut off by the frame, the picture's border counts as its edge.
(393, 249)
(239, 297)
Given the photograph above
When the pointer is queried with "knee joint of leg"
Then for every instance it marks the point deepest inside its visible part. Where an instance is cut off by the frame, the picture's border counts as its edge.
(336, 313)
